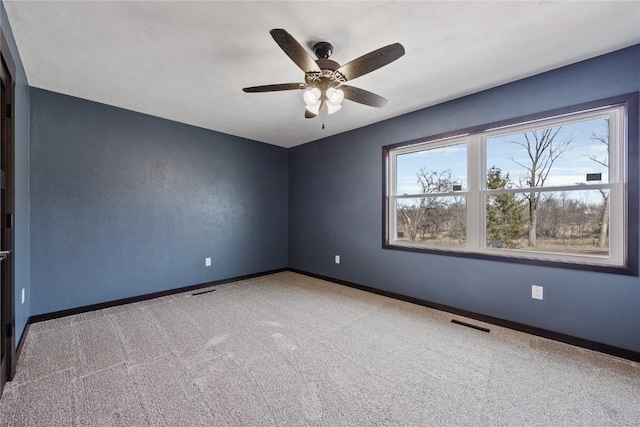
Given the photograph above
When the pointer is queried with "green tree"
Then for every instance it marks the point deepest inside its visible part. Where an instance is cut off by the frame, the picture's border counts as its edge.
(505, 222)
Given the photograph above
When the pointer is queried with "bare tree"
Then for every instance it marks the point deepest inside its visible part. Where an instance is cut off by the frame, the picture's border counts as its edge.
(435, 182)
(412, 218)
(416, 217)
(603, 137)
(543, 150)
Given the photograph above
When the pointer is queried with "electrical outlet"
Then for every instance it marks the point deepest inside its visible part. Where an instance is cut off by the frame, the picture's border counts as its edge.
(536, 292)
(22, 295)
(337, 259)
(207, 262)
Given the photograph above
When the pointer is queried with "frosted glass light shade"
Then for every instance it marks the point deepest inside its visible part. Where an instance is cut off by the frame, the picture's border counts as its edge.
(315, 109)
(333, 108)
(335, 96)
(312, 97)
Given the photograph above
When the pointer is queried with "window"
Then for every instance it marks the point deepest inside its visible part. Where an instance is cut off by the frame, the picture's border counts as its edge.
(552, 189)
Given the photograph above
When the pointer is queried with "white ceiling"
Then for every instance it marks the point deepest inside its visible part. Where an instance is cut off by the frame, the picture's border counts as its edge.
(188, 61)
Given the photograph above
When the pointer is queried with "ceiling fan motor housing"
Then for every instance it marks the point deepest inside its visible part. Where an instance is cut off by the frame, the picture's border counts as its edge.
(328, 76)
(323, 50)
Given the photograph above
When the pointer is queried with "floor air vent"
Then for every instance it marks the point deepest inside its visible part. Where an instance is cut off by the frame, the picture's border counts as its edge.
(469, 325)
(203, 292)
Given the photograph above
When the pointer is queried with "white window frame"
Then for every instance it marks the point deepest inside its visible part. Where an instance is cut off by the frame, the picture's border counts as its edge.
(476, 191)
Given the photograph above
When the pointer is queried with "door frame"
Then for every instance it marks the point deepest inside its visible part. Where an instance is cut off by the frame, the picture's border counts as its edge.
(8, 300)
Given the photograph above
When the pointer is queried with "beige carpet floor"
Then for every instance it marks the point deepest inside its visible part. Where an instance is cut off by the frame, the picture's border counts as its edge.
(289, 350)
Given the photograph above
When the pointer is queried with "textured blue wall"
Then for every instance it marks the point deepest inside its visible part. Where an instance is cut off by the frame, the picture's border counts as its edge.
(335, 194)
(124, 204)
(21, 231)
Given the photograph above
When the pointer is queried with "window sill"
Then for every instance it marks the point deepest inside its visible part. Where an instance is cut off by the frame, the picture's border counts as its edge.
(525, 258)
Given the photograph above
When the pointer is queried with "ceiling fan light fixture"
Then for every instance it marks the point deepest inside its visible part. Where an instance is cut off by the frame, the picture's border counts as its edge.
(331, 108)
(312, 97)
(315, 109)
(335, 96)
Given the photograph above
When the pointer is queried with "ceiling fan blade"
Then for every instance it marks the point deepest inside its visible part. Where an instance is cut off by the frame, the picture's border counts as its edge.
(309, 115)
(371, 61)
(362, 96)
(273, 88)
(294, 50)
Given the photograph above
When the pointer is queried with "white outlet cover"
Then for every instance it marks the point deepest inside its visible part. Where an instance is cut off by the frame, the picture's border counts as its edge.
(337, 259)
(537, 292)
(207, 262)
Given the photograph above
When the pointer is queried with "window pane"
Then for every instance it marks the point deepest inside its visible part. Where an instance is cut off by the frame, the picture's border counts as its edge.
(436, 170)
(573, 154)
(439, 220)
(569, 222)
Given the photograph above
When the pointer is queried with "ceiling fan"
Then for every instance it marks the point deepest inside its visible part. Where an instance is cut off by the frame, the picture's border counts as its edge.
(325, 79)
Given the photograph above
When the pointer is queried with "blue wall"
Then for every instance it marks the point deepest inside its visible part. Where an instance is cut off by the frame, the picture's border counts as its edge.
(124, 204)
(335, 195)
(21, 231)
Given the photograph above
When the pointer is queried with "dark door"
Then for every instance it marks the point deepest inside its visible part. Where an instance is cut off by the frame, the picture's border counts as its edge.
(7, 339)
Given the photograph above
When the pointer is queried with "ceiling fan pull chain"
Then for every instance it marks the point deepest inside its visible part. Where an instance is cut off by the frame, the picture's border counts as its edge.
(322, 114)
